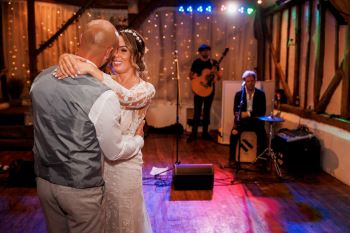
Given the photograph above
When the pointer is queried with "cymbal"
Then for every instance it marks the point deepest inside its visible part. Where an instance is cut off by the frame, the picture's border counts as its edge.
(270, 118)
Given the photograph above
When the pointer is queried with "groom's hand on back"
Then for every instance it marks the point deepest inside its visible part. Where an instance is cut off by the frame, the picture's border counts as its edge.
(139, 130)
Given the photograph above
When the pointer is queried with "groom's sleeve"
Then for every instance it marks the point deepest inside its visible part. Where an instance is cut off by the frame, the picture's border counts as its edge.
(105, 115)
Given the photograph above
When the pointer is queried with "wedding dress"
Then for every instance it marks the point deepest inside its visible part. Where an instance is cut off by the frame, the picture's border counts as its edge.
(125, 208)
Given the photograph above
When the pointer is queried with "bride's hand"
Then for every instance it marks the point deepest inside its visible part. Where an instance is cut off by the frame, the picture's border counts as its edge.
(83, 67)
(71, 65)
(68, 66)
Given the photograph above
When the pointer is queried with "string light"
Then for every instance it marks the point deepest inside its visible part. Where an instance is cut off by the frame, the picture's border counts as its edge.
(189, 9)
(250, 10)
(208, 9)
(17, 51)
(230, 8)
(201, 9)
(223, 8)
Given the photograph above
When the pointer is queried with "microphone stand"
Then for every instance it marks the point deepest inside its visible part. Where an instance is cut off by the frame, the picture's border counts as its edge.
(177, 107)
(177, 124)
(238, 125)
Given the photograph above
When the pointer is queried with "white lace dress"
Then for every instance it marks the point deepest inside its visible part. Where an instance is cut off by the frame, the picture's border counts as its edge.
(125, 208)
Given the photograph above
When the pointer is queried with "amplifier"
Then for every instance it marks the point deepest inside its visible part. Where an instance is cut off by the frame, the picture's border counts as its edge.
(291, 135)
(301, 155)
(193, 176)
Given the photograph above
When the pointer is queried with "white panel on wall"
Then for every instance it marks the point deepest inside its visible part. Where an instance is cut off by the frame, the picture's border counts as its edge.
(343, 31)
(291, 43)
(313, 50)
(284, 40)
(329, 64)
(303, 51)
(267, 73)
(275, 28)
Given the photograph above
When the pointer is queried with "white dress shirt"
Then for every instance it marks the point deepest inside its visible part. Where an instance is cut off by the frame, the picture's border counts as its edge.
(249, 99)
(105, 115)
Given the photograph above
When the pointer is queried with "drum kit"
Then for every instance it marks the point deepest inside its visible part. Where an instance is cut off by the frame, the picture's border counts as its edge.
(268, 153)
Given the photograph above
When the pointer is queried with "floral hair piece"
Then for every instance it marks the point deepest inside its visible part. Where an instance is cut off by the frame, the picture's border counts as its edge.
(134, 34)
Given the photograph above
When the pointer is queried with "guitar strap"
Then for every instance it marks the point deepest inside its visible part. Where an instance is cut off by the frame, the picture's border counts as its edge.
(212, 64)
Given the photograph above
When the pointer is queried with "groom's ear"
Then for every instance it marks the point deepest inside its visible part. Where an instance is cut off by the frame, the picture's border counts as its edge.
(109, 52)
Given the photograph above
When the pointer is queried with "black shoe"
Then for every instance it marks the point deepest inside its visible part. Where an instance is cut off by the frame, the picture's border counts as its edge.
(263, 166)
(207, 136)
(191, 138)
(231, 163)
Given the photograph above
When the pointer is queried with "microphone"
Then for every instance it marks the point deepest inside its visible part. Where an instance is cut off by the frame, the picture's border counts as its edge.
(243, 83)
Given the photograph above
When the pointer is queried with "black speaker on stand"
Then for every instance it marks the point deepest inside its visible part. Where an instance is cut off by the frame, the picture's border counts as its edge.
(189, 176)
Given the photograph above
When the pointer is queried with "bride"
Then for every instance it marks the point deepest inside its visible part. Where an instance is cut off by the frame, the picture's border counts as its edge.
(125, 207)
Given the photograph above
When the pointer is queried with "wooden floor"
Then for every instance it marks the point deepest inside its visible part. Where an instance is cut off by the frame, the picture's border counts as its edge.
(250, 201)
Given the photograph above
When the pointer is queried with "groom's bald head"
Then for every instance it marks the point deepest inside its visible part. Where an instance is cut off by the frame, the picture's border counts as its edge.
(97, 41)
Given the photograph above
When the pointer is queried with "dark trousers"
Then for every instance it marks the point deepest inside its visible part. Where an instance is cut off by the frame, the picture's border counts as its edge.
(198, 102)
(253, 125)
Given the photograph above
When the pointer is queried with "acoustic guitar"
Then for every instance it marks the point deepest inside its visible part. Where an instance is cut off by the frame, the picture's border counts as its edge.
(203, 85)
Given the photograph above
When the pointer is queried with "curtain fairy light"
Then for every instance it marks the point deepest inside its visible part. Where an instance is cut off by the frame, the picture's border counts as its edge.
(49, 18)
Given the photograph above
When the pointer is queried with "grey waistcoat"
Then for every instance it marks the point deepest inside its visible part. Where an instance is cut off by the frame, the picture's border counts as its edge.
(66, 149)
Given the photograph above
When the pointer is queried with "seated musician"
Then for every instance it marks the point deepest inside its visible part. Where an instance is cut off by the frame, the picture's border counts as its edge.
(249, 104)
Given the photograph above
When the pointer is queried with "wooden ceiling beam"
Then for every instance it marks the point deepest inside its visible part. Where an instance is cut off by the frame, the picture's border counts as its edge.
(282, 6)
(107, 4)
(320, 54)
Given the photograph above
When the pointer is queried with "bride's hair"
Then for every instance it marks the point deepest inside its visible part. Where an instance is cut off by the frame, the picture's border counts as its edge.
(135, 42)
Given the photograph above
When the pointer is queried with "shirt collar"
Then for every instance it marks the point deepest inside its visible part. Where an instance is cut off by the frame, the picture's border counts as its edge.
(246, 91)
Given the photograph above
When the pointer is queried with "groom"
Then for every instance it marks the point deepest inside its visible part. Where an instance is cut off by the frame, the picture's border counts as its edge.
(76, 120)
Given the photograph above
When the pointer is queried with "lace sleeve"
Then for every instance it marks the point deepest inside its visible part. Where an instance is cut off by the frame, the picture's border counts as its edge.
(135, 98)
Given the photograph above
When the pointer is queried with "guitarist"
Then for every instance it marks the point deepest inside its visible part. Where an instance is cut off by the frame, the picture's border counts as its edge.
(203, 62)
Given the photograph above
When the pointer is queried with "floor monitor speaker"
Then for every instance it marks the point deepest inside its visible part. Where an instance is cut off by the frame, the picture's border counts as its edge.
(193, 176)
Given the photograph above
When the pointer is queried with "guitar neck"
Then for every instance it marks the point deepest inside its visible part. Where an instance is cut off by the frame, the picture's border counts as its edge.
(222, 56)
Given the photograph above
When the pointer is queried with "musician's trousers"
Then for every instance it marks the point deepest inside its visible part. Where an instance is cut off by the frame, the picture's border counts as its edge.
(253, 125)
(198, 102)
